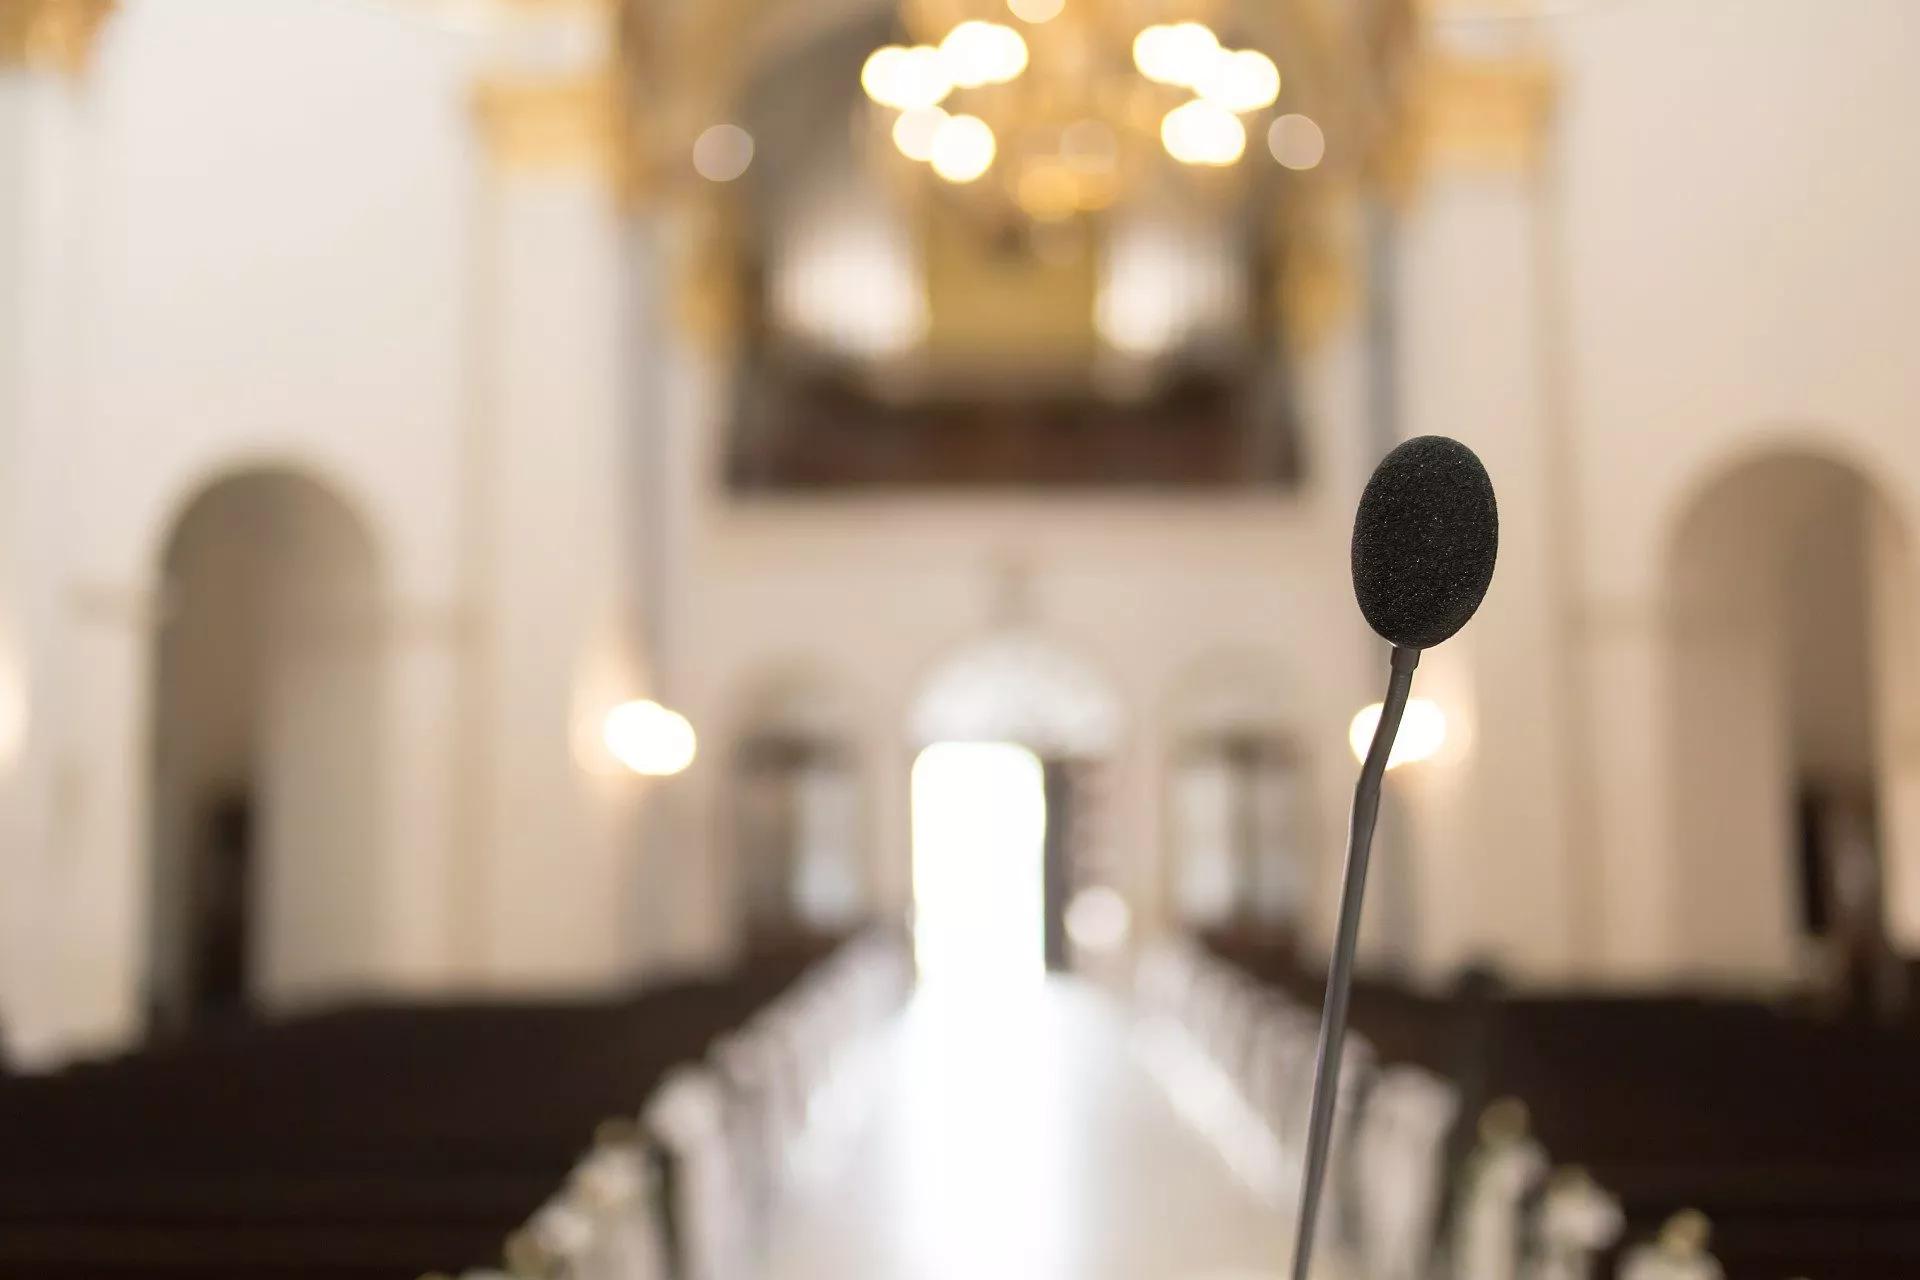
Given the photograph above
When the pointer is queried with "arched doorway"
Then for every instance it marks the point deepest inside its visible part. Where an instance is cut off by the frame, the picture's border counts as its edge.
(265, 750)
(1784, 574)
(795, 807)
(1014, 737)
(1238, 802)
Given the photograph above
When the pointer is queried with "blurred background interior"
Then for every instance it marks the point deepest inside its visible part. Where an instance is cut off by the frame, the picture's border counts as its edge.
(555, 554)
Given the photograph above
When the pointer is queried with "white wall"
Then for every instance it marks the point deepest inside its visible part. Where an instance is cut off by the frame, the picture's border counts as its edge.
(265, 234)
(1737, 192)
(267, 259)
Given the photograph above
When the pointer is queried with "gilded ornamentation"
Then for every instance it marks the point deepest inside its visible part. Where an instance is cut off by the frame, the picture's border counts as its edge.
(543, 123)
(1485, 112)
(51, 35)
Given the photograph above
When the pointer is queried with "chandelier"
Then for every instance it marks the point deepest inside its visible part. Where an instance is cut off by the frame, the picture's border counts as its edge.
(1063, 108)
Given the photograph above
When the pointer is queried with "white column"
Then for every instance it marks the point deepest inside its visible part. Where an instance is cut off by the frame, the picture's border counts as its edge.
(1476, 369)
(44, 136)
(554, 622)
(685, 883)
(18, 867)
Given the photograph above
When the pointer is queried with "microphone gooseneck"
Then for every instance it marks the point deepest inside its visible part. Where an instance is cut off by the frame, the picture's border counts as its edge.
(1353, 887)
(1424, 542)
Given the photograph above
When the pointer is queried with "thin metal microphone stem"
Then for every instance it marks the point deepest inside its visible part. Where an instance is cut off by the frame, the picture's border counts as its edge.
(1333, 1016)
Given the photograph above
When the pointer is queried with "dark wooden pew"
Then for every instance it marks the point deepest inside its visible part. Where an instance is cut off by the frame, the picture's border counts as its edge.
(366, 1143)
(1798, 1137)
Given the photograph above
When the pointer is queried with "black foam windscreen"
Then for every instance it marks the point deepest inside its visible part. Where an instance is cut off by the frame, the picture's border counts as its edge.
(1424, 541)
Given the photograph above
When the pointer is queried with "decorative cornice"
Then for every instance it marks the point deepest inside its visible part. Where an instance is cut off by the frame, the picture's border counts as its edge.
(1487, 113)
(534, 124)
(51, 35)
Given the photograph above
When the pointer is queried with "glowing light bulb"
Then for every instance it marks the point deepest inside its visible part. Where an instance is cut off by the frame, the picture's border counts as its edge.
(722, 153)
(648, 738)
(1012, 58)
(1239, 80)
(906, 79)
(963, 148)
(13, 713)
(881, 72)
(1098, 919)
(1201, 133)
(913, 132)
(1296, 141)
(1423, 731)
(977, 53)
(1180, 54)
(1036, 11)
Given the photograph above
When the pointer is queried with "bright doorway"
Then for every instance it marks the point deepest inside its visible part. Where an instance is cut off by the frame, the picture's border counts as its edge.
(979, 835)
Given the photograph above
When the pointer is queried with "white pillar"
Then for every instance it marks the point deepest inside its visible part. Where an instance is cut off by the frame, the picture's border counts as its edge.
(555, 643)
(18, 866)
(1476, 368)
(685, 883)
(44, 136)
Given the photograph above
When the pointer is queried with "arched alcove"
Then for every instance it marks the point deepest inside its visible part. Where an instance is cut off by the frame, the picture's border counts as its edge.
(1238, 799)
(1015, 739)
(266, 751)
(795, 808)
(1784, 575)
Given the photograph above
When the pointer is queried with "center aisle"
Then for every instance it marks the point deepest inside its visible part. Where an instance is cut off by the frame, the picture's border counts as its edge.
(1019, 1140)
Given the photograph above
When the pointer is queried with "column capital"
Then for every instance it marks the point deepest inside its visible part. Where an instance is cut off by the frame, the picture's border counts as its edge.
(568, 122)
(1488, 113)
(556, 96)
(51, 35)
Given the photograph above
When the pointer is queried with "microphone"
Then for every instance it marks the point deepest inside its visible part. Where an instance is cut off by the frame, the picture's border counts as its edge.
(1424, 542)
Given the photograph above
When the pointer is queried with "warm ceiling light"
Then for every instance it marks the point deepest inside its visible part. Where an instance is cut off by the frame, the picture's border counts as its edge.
(13, 713)
(913, 132)
(1150, 54)
(963, 148)
(1423, 731)
(905, 79)
(722, 153)
(976, 53)
(1180, 54)
(1098, 919)
(1240, 80)
(1036, 11)
(1013, 55)
(1296, 141)
(1201, 133)
(881, 72)
(648, 738)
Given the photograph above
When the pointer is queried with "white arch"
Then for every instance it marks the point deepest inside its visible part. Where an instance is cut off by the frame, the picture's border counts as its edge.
(794, 806)
(1785, 585)
(1019, 687)
(267, 699)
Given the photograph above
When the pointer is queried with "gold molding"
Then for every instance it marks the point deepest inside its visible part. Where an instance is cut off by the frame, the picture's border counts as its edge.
(1487, 113)
(546, 124)
(51, 35)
